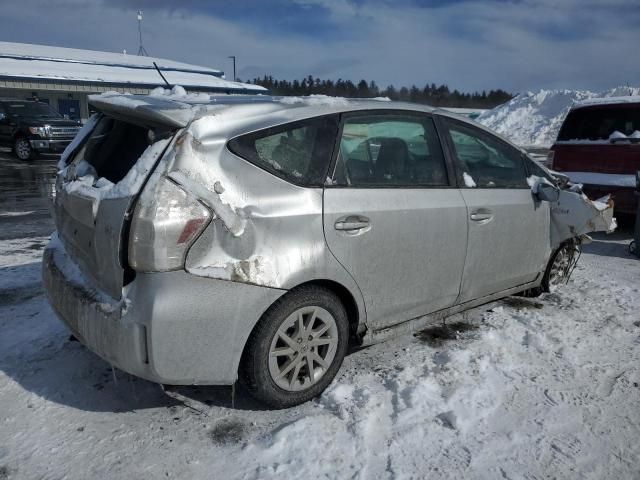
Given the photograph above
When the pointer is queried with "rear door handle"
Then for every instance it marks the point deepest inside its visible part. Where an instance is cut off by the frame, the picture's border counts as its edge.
(481, 215)
(352, 223)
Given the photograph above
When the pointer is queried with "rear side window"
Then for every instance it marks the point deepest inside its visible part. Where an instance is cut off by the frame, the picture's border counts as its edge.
(390, 149)
(599, 123)
(298, 152)
(484, 161)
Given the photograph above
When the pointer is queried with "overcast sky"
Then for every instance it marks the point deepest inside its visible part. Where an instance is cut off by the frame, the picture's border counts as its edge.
(517, 45)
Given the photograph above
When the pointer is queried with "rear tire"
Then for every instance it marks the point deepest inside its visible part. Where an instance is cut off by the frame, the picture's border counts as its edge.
(22, 149)
(297, 347)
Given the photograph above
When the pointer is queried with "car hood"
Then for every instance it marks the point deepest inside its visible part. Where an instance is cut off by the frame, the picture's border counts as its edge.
(40, 121)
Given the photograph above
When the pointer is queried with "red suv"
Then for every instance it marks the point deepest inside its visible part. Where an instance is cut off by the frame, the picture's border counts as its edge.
(599, 146)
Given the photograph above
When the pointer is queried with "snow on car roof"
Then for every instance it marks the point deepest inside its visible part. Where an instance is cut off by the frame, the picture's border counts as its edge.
(607, 101)
(21, 60)
(177, 107)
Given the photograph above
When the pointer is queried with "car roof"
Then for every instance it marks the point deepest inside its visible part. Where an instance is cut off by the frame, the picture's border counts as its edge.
(176, 106)
(250, 112)
(304, 106)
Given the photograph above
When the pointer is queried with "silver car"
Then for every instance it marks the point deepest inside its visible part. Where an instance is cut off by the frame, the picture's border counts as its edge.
(202, 240)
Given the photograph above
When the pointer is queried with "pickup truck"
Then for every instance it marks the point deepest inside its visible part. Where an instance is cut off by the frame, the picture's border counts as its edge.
(599, 147)
(29, 127)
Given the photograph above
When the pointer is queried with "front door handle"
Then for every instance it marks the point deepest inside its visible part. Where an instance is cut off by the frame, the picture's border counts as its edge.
(352, 223)
(481, 215)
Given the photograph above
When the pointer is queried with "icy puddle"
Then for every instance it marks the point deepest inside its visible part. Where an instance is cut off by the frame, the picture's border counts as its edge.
(521, 388)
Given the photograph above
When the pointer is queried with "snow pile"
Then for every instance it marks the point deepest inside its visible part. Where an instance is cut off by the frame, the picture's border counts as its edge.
(622, 137)
(179, 93)
(315, 100)
(534, 118)
(521, 388)
(326, 100)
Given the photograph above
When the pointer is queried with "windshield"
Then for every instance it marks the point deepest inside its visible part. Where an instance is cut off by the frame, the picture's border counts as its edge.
(31, 109)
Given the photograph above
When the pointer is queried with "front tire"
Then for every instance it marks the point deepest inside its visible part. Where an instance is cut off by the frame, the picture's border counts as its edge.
(558, 270)
(297, 347)
(22, 149)
(559, 267)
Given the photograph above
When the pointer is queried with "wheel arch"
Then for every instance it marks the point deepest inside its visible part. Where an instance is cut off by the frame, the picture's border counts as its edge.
(357, 326)
(355, 314)
(19, 133)
(249, 371)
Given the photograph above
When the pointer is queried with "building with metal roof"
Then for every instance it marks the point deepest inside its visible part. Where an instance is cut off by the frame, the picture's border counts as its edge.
(64, 77)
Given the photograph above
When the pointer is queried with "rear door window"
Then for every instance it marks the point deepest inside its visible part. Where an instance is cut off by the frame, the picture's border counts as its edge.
(484, 161)
(298, 152)
(390, 149)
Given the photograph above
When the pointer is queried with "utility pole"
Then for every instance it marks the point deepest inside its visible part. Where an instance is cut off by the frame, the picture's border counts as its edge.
(141, 50)
(234, 66)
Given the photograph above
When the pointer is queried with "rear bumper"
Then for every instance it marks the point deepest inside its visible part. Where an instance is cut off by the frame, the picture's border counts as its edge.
(172, 328)
(49, 146)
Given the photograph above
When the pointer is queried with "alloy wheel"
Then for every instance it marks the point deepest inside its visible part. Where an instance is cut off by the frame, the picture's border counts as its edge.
(303, 348)
(560, 268)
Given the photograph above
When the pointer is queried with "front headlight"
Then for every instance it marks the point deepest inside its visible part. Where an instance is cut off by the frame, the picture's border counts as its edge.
(42, 131)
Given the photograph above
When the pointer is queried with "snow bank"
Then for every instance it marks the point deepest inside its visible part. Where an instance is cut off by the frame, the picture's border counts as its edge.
(520, 388)
(534, 118)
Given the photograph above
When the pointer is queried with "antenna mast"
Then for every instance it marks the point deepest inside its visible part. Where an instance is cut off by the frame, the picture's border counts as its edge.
(141, 50)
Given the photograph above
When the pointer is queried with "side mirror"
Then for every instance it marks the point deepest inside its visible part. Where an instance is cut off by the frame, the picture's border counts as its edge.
(548, 192)
(2, 117)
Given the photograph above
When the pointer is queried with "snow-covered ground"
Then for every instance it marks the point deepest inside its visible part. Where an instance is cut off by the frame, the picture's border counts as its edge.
(534, 118)
(518, 389)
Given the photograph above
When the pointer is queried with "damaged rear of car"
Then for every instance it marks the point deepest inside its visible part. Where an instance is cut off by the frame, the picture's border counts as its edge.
(114, 270)
(201, 239)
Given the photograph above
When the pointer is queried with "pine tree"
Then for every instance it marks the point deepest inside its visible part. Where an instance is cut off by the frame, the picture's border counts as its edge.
(430, 94)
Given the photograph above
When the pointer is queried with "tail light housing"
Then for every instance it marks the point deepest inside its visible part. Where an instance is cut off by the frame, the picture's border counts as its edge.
(166, 221)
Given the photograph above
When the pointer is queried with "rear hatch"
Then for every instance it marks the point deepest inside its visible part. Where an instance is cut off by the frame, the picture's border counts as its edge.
(97, 188)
